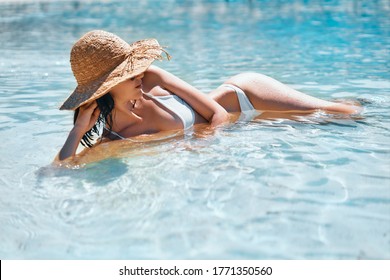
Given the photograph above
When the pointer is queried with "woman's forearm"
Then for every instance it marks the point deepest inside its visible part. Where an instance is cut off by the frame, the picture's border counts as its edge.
(71, 144)
(219, 117)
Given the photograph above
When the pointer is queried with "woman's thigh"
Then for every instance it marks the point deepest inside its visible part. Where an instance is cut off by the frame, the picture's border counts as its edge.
(266, 93)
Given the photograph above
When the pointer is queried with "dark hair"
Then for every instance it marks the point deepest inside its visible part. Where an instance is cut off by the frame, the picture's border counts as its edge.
(105, 104)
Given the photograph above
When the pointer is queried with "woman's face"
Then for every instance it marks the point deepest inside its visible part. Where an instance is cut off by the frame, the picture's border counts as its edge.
(130, 89)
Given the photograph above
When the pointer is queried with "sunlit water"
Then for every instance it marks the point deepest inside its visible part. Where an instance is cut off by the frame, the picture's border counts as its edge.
(318, 188)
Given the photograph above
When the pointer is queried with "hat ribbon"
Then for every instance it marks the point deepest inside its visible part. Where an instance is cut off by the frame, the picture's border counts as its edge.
(143, 52)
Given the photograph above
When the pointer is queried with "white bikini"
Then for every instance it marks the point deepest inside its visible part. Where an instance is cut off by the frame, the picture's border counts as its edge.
(174, 104)
(187, 115)
(248, 112)
(178, 106)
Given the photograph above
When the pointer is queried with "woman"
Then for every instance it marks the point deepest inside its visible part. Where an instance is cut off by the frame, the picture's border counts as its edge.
(120, 90)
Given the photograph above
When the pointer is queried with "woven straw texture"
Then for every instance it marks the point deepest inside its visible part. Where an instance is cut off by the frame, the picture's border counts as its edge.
(100, 60)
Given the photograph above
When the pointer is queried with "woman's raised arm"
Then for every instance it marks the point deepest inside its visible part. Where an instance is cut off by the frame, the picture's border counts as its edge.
(209, 109)
(86, 119)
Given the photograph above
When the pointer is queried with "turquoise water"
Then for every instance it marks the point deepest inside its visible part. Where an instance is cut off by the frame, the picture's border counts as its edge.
(318, 188)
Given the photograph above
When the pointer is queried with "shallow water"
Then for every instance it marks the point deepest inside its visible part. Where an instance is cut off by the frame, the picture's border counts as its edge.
(318, 188)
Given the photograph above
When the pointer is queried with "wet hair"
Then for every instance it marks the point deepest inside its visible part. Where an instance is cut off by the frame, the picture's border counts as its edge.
(105, 104)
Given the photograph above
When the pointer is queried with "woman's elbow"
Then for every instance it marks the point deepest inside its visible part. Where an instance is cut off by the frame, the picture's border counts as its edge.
(220, 117)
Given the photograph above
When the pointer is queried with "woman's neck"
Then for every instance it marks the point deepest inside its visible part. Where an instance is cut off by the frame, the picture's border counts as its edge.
(127, 113)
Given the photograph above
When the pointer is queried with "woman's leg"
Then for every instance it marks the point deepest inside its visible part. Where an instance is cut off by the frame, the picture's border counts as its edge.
(268, 94)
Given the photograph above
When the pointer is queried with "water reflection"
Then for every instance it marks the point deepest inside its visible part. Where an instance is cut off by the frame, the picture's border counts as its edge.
(100, 175)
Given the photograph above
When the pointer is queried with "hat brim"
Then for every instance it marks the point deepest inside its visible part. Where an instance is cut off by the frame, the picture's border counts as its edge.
(84, 94)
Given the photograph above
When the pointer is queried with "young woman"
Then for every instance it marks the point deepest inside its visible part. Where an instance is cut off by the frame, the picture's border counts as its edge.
(120, 90)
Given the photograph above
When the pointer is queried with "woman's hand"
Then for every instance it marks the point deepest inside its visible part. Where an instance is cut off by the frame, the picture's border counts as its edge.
(87, 117)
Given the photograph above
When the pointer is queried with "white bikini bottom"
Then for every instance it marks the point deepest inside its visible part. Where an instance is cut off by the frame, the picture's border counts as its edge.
(248, 112)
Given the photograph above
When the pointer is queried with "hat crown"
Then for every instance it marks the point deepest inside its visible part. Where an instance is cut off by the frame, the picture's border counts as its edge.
(96, 54)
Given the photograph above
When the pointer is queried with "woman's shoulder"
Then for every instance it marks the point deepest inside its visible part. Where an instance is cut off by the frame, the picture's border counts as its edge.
(152, 78)
(158, 74)
(154, 73)
(153, 81)
(153, 69)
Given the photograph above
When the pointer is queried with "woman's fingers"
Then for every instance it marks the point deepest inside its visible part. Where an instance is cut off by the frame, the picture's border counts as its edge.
(96, 113)
(89, 106)
(88, 115)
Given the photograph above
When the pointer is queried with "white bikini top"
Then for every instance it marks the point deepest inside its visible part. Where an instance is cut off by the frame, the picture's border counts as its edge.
(176, 105)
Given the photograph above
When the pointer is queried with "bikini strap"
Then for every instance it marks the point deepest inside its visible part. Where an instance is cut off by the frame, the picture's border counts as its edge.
(114, 133)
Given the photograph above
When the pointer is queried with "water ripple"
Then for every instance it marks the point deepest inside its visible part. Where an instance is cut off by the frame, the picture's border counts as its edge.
(281, 186)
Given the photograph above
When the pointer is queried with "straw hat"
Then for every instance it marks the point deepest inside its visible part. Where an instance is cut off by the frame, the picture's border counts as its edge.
(100, 60)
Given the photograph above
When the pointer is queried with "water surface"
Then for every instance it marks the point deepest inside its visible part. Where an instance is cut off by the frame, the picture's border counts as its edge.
(318, 188)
